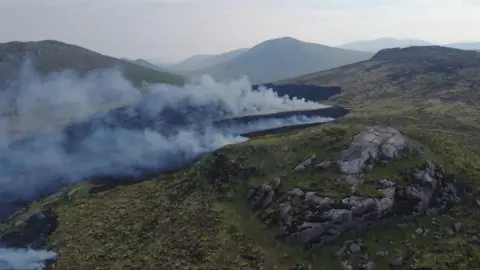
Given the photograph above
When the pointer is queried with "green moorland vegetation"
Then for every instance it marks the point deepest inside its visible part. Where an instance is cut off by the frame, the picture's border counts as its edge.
(204, 217)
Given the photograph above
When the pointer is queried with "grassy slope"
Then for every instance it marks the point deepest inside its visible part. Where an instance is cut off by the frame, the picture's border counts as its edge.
(53, 56)
(178, 222)
(434, 99)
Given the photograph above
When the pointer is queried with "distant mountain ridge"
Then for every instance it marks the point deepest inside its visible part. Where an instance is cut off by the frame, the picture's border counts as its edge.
(144, 63)
(414, 75)
(375, 45)
(272, 60)
(205, 60)
(465, 45)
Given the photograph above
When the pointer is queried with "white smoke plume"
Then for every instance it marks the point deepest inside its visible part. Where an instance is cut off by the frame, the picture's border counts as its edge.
(266, 124)
(166, 130)
(24, 259)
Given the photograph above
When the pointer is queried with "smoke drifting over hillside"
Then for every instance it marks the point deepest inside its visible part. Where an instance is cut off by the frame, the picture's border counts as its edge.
(168, 129)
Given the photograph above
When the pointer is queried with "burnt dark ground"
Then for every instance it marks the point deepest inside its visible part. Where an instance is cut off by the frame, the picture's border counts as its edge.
(330, 112)
(306, 91)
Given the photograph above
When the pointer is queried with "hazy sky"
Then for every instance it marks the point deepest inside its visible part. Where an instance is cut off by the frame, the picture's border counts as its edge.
(174, 29)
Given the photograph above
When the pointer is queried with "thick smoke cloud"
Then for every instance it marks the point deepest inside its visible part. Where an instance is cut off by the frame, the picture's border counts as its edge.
(41, 103)
(172, 126)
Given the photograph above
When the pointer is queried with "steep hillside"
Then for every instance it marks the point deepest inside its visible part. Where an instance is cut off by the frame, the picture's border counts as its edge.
(50, 55)
(282, 58)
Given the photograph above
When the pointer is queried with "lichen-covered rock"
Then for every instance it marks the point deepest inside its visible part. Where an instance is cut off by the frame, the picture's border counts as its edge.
(385, 204)
(276, 183)
(360, 205)
(354, 248)
(324, 164)
(309, 218)
(326, 219)
(397, 262)
(368, 266)
(306, 163)
(381, 253)
(371, 146)
(320, 203)
(296, 192)
(285, 209)
(385, 183)
(338, 215)
(309, 232)
(261, 197)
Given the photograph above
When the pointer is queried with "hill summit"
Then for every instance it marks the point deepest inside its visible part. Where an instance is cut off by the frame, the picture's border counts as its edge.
(277, 59)
(51, 56)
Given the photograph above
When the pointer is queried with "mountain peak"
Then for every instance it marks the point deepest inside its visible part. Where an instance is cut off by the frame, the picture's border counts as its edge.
(286, 39)
(281, 41)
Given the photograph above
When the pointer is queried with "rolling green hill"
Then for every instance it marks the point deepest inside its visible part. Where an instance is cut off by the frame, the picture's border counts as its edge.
(50, 56)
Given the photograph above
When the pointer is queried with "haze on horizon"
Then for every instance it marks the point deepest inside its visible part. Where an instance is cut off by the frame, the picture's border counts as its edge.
(171, 30)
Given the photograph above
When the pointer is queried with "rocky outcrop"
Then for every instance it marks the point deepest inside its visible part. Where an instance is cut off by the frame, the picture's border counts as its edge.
(305, 164)
(430, 192)
(261, 197)
(374, 146)
(308, 219)
(325, 219)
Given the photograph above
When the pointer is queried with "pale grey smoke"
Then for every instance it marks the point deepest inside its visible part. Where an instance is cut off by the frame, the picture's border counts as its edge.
(236, 96)
(41, 103)
(174, 127)
(178, 132)
(265, 124)
(24, 259)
